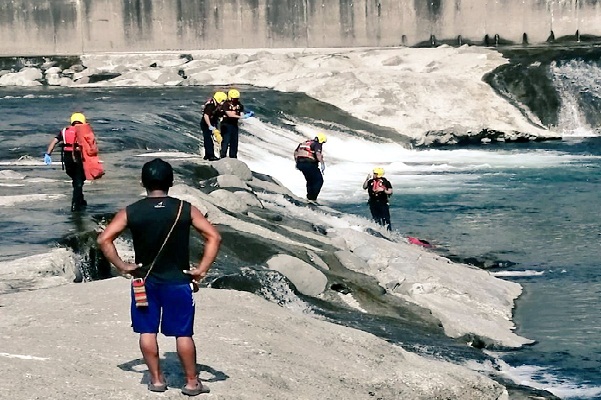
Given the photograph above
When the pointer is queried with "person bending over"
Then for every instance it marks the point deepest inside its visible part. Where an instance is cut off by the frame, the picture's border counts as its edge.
(308, 156)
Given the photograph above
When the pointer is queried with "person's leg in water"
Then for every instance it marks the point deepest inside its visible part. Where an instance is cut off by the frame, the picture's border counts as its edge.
(207, 138)
(386, 216)
(226, 134)
(78, 181)
(380, 213)
(303, 168)
(234, 135)
(314, 181)
(375, 212)
(313, 177)
(76, 173)
(317, 180)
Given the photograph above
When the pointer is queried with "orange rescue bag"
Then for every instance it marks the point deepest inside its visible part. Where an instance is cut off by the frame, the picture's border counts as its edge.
(86, 142)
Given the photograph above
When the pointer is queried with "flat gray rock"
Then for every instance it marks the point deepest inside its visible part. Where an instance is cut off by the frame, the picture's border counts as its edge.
(75, 342)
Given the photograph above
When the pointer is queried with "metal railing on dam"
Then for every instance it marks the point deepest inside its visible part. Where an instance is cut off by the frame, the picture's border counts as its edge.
(70, 27)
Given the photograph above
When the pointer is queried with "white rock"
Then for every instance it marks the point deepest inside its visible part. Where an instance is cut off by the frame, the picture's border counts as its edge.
(56, 80)
(11, 175)
(16, 79)
(274, 187)
(233, 166)
(200, 78)
(31, 73)
(171, 63)
(306, 278)
(53, 70)
(229, 201)
(231, 181)
(250, 199)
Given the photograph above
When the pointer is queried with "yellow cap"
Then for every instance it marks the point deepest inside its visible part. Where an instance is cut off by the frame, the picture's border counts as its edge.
(379, 171)
(321, 137)
(233, 94)
(78, 117)
(220, 97)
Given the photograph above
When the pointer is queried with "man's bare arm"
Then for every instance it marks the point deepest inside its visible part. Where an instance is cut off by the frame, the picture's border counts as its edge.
(212, 240)
(107, 237)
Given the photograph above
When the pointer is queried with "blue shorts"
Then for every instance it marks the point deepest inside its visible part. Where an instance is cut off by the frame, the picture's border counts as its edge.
(170, 305)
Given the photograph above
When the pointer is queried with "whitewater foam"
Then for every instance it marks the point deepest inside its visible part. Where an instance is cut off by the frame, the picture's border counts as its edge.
(350, 158)
(542, 378)
(517, 273)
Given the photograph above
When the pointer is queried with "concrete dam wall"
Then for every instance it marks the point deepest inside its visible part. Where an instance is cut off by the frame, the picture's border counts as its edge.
(71, 27)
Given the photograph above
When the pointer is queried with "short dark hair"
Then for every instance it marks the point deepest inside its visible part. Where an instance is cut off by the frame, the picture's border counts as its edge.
(157, 175)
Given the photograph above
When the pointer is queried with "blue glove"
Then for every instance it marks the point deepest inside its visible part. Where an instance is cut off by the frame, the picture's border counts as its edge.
(248, 115)
(211, 128)
(47, 159)
(323, 168)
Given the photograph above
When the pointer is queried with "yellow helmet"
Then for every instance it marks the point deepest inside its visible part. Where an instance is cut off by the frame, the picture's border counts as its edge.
(233, 94)
(321, 137)
(379, 171)
(78, 117)
(220, 97)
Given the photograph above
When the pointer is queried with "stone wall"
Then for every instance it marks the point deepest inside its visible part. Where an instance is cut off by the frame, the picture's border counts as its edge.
(69, 27)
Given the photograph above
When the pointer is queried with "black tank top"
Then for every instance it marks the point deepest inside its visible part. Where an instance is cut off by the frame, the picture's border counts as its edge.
(149, 221)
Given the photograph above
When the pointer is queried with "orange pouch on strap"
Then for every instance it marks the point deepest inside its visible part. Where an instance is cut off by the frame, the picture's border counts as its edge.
(139, 289)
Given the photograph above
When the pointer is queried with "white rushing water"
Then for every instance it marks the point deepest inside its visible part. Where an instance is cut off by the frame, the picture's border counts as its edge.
(349, 159)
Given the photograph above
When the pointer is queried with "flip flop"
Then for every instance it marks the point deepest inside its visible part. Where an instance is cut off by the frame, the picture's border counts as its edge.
(157, 388)
(195, 392)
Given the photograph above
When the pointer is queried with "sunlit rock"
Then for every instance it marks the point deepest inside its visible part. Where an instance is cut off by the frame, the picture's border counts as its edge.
(233, 166)
(231, 181)
(305, 278)
(228, 200)
(25, 77)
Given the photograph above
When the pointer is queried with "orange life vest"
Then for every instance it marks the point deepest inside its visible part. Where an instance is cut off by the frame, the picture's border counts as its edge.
(304, 150)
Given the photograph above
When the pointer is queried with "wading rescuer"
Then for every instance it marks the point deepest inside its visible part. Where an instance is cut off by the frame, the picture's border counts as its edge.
(308, 156)
(211, 113)
(71, 159)
(233, 111)
(379, 190)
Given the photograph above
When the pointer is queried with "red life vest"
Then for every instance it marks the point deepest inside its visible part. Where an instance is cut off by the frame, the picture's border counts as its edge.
(378, 185)
(69, 134)
(304, 151)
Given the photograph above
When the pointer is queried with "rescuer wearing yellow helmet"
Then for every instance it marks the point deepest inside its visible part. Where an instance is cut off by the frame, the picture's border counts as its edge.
(379, 190)
(308, 156)
(233, 111)
(212, 111)
(71, 158)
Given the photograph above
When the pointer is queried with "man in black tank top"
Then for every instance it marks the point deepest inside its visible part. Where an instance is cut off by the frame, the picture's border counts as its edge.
(160, 229)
